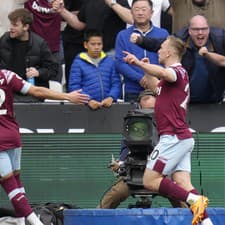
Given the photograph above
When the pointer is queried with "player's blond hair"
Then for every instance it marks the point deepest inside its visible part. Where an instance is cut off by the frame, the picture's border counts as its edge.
(177, 45)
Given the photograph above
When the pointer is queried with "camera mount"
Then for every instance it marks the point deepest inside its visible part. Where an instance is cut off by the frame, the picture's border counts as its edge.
(140, 137)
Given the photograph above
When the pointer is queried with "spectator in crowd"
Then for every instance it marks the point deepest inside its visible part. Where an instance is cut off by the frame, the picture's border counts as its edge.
(26, 53)
(172, 154)
(10, 141)
(134, 78)
(94, 72)
(159, 6)
(183, 10)
(7, 7)
(47, 24)
(72, 39)
(207, 80)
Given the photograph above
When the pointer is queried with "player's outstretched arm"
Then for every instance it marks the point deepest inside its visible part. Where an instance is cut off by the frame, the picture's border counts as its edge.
(150, 69)
(74, 97)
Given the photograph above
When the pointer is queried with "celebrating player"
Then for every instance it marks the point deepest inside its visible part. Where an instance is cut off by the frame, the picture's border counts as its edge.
(172, 154)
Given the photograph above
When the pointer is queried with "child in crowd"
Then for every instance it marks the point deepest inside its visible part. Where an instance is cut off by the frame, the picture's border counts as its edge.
(94, 72)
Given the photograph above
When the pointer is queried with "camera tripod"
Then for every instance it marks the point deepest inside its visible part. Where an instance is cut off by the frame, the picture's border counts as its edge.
(144, 196)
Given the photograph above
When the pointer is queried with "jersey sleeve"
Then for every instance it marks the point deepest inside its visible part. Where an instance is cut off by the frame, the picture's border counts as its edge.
(16, 83)
(173, 72)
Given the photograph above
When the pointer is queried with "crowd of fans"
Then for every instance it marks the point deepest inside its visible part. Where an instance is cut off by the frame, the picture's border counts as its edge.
(45, 40)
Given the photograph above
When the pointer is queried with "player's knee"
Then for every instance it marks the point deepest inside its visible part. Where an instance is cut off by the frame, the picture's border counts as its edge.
(16, 172)
(151, 179)
(5, 177)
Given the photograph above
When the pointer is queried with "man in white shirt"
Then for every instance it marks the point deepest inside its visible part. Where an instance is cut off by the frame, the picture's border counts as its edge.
(159, 6)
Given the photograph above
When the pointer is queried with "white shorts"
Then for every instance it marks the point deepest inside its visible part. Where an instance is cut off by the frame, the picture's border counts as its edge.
(10, 161)
(171, 154)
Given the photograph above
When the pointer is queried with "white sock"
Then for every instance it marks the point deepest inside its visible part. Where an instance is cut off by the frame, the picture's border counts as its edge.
(33, 219)
(207, 221)
(192, 198)
(22, 190)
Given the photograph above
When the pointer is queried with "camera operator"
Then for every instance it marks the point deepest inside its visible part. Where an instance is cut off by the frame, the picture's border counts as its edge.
(120, 191)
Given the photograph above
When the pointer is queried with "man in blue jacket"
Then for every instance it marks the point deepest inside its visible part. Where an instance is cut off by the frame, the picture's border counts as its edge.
(207, 79)
(134, 79)
(94, 72)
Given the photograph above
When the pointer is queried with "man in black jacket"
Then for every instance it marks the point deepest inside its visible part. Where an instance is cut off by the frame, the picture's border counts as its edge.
(26, 53)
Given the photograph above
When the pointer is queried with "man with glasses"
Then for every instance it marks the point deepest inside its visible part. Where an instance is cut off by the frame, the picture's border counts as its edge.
(183, 10)
(207, 79)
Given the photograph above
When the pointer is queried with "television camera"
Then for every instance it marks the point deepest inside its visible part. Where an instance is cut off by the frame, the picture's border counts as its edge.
(140, 136)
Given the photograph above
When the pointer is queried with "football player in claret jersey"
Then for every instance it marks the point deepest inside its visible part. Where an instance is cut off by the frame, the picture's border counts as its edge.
(172, 154)
(10, 141)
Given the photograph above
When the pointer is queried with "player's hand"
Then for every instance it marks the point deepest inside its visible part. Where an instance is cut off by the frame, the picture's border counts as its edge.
(78, 98)
(130, 58)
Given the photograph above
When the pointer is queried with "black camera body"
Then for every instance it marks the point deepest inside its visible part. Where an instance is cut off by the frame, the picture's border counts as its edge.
(139, 131)
(141, 136)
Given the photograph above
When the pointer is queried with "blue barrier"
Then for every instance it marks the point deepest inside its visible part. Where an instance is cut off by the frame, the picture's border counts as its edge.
(153, 216)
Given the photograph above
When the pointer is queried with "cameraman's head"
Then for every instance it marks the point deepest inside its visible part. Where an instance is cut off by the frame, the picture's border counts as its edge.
(146, 99)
